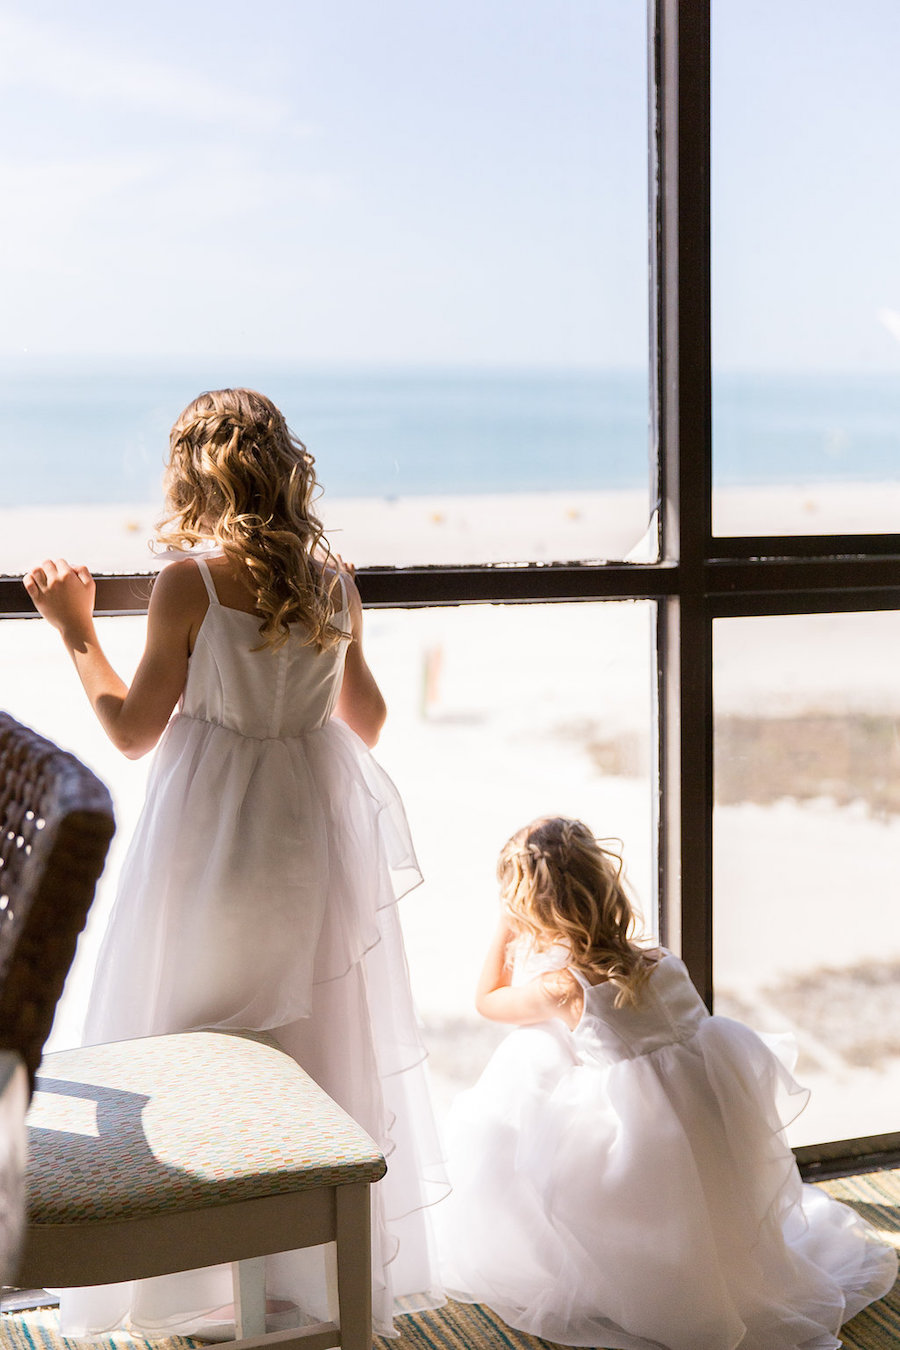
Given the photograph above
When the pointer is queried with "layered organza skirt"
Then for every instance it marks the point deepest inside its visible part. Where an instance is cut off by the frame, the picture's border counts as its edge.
(648, 1202)
(260, 892)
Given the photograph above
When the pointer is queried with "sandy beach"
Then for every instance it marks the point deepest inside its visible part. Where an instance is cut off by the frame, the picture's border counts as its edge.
(499, 713)
(489, 528)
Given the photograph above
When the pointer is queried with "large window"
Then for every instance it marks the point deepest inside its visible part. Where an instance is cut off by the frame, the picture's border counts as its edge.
(420, 229)
(749, 660)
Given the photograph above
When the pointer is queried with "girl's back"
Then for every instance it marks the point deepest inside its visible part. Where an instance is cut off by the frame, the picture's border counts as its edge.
(668, 1012)
(259, 692)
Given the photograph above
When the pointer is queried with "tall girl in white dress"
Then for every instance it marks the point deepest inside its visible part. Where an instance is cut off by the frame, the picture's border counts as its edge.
(620, 1175)
(260, 888)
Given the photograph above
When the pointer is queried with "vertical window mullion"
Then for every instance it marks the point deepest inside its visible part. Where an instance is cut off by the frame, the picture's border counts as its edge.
(683, 360)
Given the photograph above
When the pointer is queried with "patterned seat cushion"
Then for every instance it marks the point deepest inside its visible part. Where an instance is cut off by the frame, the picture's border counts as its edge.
(182, 1122)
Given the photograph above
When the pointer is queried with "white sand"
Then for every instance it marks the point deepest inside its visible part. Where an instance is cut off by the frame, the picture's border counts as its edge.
(501, 730)
(398, 531)
(403, 531)
(812, 508)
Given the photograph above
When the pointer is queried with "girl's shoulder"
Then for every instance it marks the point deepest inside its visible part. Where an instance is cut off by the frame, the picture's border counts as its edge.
(178, 602)
(566, 992)
(179, 582)
(561, 984)
(654, 955)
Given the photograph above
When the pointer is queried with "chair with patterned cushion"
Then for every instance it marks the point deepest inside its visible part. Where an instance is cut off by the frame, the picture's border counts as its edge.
(177, 1152)
(165, 1154)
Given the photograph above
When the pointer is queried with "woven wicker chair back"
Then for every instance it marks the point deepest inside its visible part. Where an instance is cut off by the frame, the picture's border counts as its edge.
(56, 821)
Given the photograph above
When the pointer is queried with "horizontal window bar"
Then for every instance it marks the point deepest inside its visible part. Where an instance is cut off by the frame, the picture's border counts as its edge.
(758, 604)
(799, 576)
(803, 545)
(732, 587)
(385, 587)
(115, 596)
(844, 1157)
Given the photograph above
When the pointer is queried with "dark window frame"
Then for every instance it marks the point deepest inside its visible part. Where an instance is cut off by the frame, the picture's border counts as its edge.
(699, 577)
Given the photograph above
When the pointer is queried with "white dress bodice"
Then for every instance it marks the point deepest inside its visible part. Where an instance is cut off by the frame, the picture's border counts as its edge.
(669, 1011)
(256, 690)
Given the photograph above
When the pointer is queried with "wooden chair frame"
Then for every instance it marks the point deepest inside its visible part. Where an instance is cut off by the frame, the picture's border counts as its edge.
(242, 1234)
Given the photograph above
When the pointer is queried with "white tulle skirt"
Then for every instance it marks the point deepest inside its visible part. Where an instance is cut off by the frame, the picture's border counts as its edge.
(651, 1202)
(260, 892)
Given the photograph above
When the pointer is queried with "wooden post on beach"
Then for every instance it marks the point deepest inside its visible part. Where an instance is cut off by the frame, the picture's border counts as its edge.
(432, 660)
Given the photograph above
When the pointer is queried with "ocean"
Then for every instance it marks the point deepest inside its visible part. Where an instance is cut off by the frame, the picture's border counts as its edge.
(78, 435)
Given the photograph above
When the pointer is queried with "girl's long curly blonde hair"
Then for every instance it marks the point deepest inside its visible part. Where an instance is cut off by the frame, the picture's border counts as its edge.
(561, 886)
(238, 476)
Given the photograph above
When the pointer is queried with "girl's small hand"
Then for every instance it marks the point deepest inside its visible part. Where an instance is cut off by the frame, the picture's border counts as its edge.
(64, 595)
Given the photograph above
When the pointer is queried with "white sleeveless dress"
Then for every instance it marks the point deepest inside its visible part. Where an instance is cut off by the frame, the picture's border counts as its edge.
(628, 1185)
(259, 892)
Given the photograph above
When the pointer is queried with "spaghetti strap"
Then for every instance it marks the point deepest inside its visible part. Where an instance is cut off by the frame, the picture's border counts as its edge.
(344, 601)
(207, 580)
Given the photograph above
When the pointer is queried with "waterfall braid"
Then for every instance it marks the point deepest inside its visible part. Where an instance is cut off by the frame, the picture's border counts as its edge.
(560, 885)
(238, 476)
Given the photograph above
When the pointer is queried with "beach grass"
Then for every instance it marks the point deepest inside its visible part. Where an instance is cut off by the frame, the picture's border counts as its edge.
(845, 757)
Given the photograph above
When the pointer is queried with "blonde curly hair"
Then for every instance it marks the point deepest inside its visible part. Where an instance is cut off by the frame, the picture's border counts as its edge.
(238, 476)
(560, 885)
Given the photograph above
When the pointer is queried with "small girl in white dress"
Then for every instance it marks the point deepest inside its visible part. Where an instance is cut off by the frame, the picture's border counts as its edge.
(620, 1173)
(260, 888)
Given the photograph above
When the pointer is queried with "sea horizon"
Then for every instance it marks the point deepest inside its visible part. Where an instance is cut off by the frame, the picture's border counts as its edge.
(81, 431)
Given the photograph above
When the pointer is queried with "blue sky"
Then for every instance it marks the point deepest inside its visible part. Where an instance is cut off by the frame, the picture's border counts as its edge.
(426, 181)
(806, 193)
(326, 179)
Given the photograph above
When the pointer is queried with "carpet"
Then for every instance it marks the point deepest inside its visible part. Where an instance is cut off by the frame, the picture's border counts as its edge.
(461, 1326)
(876, 1196)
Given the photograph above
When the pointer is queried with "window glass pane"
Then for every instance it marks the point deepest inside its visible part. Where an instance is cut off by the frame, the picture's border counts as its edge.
(500, 714)
(807, 843)
(497, 714)
(430, 249)
(40, 688)
(806, 273)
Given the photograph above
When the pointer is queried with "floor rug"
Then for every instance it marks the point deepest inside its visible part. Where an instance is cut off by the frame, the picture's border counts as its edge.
(460, 1326)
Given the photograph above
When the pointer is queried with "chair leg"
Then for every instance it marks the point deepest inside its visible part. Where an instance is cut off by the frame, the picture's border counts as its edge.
(249, 1281)
(354, 1265)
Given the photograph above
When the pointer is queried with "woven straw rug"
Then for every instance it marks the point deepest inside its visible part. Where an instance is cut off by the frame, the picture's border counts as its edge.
(459, 1326)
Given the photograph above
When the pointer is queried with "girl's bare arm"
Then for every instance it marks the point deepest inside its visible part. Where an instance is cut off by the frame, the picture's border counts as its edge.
(555, 994)
(360, 703)
(133, 717)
